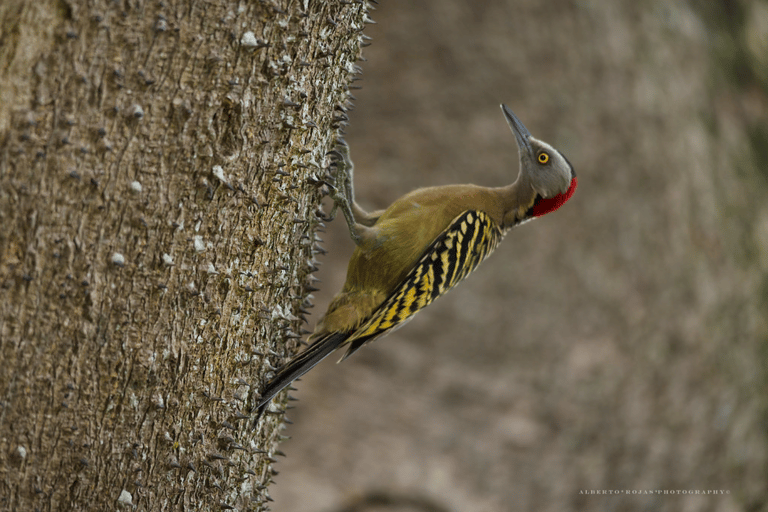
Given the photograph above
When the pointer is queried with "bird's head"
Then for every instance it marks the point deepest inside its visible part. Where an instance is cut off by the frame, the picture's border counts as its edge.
(543, 168)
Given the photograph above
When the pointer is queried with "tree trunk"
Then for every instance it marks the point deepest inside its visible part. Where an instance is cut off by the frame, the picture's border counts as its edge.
(160, 181)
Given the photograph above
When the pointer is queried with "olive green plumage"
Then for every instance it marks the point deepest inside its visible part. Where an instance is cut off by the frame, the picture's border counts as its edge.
(421, 246)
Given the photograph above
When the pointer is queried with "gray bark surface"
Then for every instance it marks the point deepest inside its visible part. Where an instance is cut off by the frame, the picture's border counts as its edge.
(159, 196)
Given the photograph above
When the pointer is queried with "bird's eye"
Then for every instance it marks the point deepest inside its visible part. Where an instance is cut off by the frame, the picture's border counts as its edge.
(543, 158)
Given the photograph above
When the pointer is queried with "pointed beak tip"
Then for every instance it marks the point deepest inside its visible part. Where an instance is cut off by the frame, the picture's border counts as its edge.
(518, 128)
(507, 112)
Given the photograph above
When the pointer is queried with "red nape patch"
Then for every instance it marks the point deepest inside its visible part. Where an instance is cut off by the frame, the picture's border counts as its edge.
(544, 206)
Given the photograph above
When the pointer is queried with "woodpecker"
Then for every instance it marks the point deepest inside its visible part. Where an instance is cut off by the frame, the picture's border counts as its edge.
(420, 247)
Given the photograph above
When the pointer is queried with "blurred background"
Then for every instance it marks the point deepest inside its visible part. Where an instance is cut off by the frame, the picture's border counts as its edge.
(616, 344)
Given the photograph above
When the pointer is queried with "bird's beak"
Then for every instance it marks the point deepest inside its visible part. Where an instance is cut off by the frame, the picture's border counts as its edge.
(518, 128)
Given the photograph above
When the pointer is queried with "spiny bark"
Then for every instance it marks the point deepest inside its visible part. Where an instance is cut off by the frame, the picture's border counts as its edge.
(160, 176)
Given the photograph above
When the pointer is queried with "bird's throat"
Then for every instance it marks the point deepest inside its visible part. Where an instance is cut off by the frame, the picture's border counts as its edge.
(542, 206)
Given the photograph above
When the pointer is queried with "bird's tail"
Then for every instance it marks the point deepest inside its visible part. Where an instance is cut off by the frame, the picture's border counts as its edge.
(298, 366)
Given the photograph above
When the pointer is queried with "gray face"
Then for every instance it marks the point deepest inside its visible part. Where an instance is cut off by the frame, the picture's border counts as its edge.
(541, 165)
(550, 173)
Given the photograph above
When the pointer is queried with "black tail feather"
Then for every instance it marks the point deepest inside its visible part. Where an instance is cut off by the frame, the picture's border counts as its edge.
(298, 366)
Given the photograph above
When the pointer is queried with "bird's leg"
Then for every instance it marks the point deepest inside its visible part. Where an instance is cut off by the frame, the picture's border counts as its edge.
(343, 195)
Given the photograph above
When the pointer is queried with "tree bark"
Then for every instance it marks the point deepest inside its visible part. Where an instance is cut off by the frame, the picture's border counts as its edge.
(161, 169)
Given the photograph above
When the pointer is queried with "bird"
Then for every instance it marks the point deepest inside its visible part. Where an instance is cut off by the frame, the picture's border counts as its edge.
(421, 246)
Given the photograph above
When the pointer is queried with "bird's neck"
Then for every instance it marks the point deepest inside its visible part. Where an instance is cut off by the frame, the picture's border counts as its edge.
(517, 200)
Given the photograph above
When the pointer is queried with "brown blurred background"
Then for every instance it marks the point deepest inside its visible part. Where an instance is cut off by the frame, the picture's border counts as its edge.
(617, 344)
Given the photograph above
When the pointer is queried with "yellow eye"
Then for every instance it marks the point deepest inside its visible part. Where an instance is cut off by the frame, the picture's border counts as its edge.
(543, 158)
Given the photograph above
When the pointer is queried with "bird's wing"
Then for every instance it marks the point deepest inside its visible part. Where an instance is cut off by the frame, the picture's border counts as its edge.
(454, 254)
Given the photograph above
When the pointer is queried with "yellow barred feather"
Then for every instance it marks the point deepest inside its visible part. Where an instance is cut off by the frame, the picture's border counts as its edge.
(467, 241)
